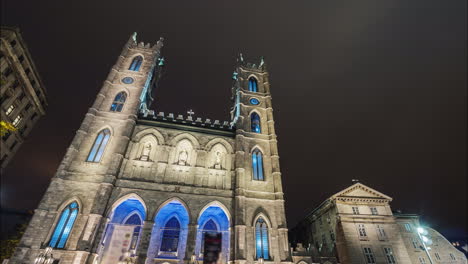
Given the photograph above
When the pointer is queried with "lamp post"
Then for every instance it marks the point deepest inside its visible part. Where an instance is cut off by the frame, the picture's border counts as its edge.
(421, 233)
(45, 257)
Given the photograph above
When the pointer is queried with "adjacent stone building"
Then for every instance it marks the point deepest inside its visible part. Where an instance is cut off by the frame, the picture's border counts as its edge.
(136, 186)
(357, 225)
(23, 96)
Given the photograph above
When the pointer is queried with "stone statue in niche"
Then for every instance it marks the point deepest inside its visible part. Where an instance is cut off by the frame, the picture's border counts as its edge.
(145, 152)
(217, 164)
(183, 156)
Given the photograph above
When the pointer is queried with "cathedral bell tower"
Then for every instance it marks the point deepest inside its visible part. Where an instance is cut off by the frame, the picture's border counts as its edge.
(260, 221)
(69, 218)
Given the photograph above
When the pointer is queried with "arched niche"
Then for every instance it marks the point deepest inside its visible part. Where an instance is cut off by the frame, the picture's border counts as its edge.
(172, 210)
(217, 214)
(184, 151)
(219, 154)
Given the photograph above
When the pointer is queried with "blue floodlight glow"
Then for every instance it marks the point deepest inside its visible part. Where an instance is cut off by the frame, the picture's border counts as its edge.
(172, 210)
(127, 208)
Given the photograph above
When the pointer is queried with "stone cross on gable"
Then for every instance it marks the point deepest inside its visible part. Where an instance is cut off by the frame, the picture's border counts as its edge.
(190, 112)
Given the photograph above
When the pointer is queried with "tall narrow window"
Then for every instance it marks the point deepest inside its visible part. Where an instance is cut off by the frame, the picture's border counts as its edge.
(210, 226)
(257, 165)
(415, 243)
(408, 227)
(171, 233)
(356, 210)
(389, 255)
(136, 63)
(261, 239)
(64, 226)
(10, 109)
(381, 232)
(362, 230)
(374, 211)
(422, 260)
(369, 255)
(17, 120)
(99, 145)
(119, 102)
(255, 123)
(452, 256)
(136, 222)
(253, 84)
(437, 255)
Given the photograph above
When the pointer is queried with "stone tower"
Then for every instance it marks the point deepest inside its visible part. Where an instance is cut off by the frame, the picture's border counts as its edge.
(258, 188)
(140, 187)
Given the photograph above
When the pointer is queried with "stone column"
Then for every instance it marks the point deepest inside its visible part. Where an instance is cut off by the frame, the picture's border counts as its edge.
(191, 237)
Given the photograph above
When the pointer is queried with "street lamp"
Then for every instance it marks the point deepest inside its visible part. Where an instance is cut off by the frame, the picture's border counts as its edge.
(45, 257)
(422, 236)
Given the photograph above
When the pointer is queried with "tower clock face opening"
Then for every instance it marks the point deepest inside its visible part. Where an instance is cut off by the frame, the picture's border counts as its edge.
(127, 80)
(254, 101)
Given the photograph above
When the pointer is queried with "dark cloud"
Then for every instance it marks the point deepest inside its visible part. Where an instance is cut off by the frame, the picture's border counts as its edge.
(362, 89)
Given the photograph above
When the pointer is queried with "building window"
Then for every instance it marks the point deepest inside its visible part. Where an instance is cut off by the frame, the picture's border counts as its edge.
(27, 71)
(27, 107)
(99, 145)
(64, 226)
(369, 255)
(381, 232)
(437, 255)
(17, 120)
(408, 227)
(253, 87)
(119, 102)
(136, 63)
(355, 210)
(415, 243)
(13, 43)
(389, 255)
(261, 239)
(332, 236)
(7, 72)
(257, 165)
(13, 145)
(362, 230)
(422, 260)
(170, 239)
(33, 116)
(21, 58)
(255, 123)
(374, 211)
(452, 256)
(209, 226)
(10, 109)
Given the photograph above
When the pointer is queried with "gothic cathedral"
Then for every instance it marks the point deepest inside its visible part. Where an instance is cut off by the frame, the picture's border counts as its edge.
(140, 187)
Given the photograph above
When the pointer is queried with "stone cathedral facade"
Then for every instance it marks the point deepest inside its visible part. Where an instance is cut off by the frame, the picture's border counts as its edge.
(140, 187)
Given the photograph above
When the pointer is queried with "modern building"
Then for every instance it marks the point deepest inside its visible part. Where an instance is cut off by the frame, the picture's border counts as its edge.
(22, 93)
(136, 186)
(357, 225)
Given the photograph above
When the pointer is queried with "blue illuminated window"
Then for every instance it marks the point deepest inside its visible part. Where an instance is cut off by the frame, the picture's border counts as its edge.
(64, 226)
(253, 84)
(255, 123)
(257, 165)
(136, 63)
(99, 145)
(170, 239)
(136, 221)
(261, 239)
(119, 102)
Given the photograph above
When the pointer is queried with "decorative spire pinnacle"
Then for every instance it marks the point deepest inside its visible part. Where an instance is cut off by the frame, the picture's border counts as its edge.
(261, 62)
(134, 37)
(241, 58)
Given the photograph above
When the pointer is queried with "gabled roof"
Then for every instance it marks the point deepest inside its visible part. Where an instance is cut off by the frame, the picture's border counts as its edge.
(359, 190)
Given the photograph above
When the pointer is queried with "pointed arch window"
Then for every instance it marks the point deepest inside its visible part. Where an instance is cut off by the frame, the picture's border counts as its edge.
(171, 233)
(99, 145)
(134, 220)
(261, 239)
(64, 226)
(255, 123)
(253, 87)
(119, 102)
(136, 63)
(209, 226)
(257, 165)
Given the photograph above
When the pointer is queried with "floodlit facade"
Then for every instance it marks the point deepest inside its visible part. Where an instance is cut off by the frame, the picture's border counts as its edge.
(23, 96)
(144, 187)
(357, 225)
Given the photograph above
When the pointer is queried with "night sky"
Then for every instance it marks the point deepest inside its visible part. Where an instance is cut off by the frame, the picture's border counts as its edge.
(368, 90)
